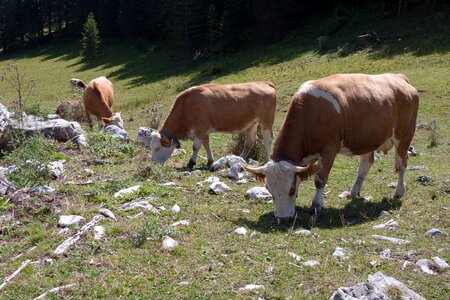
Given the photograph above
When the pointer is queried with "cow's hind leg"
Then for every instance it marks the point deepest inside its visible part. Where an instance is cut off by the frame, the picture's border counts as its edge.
(365, 162)
(195, 147)
(250, 139)
(267, 135)
(326, 162)
(205, 141)
(401, 157)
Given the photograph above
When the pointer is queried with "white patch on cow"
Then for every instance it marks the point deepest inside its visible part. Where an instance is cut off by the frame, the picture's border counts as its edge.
(389, 143)
(116, 119)
(309, 88)
(364, 167)
(159, 152)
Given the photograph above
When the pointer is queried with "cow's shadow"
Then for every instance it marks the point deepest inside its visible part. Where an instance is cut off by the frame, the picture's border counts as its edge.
(355, 212)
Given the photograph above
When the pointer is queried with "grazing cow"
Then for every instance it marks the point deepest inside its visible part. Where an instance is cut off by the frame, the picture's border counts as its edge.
(98, 98)
(203, 109)
(351, 114)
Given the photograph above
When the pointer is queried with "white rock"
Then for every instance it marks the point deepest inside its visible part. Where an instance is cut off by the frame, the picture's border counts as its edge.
(303, 232)
(88, 171)
(210, 179)
(424, 265)
(383, 213)
(295, 256)
(175, 209)
(127, 191)
(70, 220)
(405, 264)
(229, 160)
(170, 183)
(236, 172)
(311, 263)
(115, 132)
(339, 252)
(181, 222)
(107, 213)
(440, 263)
(221, 162)
(252, 162)
(388, 225)
(242, 181)
(234, 159)
(218, 187)
(251, 287)
(99, 232)
(43, 189)
(390, 239)
(139, 204)
(387, 254)
(56, 168)
(434, 232)
(345, 194)
(241, 231)
(258, 192)
(169, 243)
(184, 283)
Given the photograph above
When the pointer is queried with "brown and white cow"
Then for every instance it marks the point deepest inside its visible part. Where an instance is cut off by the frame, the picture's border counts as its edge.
(203, 109)
(98, 99)
(351, 114)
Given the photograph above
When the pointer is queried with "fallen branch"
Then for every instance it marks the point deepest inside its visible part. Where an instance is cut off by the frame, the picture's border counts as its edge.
(11, 277)
(73, 239)
(54, 290)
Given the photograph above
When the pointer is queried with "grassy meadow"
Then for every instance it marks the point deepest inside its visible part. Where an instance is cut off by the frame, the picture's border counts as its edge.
(130, 262)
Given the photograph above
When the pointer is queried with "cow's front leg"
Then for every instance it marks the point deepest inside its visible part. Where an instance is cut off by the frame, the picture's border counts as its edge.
(208, 150)
(320, 179)
(365, 162)
(195, 147)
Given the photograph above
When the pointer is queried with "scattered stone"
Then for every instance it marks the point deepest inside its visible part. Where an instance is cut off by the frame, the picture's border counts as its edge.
(236, 172)
(295, 256)
(377, 156)
(392, 184)
(11, 277)
(375, 263)
(70, 220)
(107, 213)
(139, 204)
(52, 116)
(182, 222)
(241, 231)
(228, 160)
(115, 132)
(210, 179)
(242, 181)
(169, 243)
(168, 184)
(390, 239)
(345, 194)
(417, 168)
(258, 192)
(423, 125)
(99, 232)
(56, 168)
(175, 209)
(251, 287)
(377, 286)
(424, 179)
(88, 171)
(368, 199)
(383, 213)
(387, 254)
(144, 136)
(389, 225)
(425, 266)
(405, 264)
(434, 233)
(184, 283)
(339, 252)
(127, 191)
(311, 263)
(43, 189)
(218, 187)
(79, 140)
(303, 232)
(440, 263)
(412, 151)
(54, 290)
(252, 162)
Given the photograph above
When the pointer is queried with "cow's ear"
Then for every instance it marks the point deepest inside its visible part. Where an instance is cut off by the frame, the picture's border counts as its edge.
(106, 120)
(258, 172)
(165, 141)
(308, 171)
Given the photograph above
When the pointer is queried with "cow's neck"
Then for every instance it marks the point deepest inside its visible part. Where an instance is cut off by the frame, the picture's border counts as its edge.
(174, 125)
(289, 145)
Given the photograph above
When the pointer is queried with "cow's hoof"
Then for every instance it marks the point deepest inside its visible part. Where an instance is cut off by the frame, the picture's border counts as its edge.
(190, 165)
(314, 211)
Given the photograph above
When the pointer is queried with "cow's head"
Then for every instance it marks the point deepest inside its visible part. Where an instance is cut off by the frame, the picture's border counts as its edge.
(115, 119)
(162, 146)
(282, 179)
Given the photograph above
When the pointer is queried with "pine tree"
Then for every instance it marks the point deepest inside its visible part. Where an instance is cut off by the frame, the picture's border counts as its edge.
(214, 33)
(90, 38)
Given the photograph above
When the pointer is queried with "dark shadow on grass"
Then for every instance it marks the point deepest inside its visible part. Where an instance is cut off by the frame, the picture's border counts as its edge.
(355, 212)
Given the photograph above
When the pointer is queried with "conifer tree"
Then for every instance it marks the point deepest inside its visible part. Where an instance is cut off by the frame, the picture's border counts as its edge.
(90, 38)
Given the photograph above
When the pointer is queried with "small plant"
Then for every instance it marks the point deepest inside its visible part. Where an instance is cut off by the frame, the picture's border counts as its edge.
(147, 169)
(434, 135)
(151, 230)
(36, 109)
(155, 116)
(90, 38)
(104, 146)
(236, 145)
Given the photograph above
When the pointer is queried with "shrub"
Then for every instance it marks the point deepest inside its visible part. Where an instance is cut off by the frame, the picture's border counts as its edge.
(236, 145)
(103, 146)
(90, 39)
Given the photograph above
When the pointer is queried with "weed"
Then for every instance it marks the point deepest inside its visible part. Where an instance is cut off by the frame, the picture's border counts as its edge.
(155, 116)
(236, 145)
(155, 171)
(36, 234)
(434, 137)
(104, 146)
(4, 204)
(394, 293)
(151, 230)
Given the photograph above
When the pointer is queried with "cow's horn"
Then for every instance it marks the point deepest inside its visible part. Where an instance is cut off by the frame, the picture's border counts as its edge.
(256, 170)
(298, 169)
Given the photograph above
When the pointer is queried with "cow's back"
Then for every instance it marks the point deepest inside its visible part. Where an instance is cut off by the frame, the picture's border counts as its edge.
(98, 97)
(227, 107)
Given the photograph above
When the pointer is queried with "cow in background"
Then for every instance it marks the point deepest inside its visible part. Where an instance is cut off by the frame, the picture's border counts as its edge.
(203, 109)
(351, 114)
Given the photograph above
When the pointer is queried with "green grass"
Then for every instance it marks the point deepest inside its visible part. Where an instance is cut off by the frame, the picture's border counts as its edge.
(210, 257)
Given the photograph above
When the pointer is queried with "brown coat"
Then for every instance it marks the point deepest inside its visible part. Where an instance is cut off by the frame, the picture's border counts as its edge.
(98, 100)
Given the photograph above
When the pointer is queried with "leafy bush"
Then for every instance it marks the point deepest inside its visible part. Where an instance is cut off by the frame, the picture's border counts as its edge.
(30, 158)
(236, 145)
(104, 146)
(36, 109)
